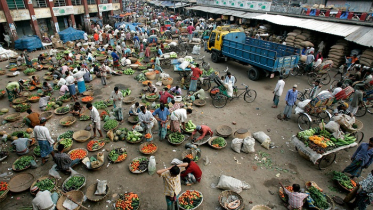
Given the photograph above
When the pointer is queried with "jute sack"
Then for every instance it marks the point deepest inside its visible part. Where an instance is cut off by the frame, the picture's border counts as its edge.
(301, 37)
(293, 34)
(340, 47)
(306, 44)
(298, 31)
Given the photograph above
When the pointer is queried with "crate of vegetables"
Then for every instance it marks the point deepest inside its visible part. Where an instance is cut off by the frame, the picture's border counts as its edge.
(344, 181)
(190, 199)
(111, 125)
(128, 200)
(139, 165)
(176, 138)
(67, 143)
(67, 121)
(217, 142)
(95, 145)
(74, 182)
(117, 155)
(87, 99)
(78, 153)
(44, 183)
(22, 163)
(148, 148)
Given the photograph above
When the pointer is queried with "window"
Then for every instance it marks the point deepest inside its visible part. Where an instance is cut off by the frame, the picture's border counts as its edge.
(104, 2)
(76, 2)
(115, 1)
(59, 3)
(16, 4)
(91, 1)
(40, 3)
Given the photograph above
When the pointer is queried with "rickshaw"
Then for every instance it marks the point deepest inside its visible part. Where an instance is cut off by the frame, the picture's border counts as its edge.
(316, 111)
(167, 23)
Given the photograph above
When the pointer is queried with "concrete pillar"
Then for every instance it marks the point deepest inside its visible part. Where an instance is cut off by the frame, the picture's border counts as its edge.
(33, 21)
(99, 14)
(121, 5)
(54, 21)
(111, 12)
(72, 18)
(87, 20)
(12, 27)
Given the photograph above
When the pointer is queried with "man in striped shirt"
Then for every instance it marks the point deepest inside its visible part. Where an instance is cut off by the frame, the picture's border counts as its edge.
(295, 198)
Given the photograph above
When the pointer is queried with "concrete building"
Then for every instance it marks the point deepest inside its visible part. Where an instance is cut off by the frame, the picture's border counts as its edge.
(36, 17)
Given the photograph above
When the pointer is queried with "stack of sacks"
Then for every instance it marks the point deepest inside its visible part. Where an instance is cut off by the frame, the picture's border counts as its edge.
(338, 52)
(366, 58)
(290, 38)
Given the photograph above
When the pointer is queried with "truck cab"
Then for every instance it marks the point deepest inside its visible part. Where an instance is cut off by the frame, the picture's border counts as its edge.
(216, 37)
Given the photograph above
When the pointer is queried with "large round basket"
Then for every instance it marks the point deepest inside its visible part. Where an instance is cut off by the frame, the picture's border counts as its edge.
(19, 100)
(150, 75)
(86, 151)
(25, 107)
(55, 147)
(88, 93)
(139, 171)
(129, 100)
(46, 115)
(76, 175)
(66, 119)
(212, 139)
(201, 142)
(330, 201)
(62, 113)
(111, 129)
(97, 167)
(199, 102)
(64, 100)
(134, 66)
(42, 178)
(12, 117)
(133, 119)
(178, 204)
(20, 182)
(134, 142)
(229, 196)
(260, 207)
(2, 72)
(120, 151)
(345, 188)
(14, 168)
(21, 68)
(151, 99)
(196, 154)
(33, 100)
(4, 195)
(77, 196)
(176, 144)
(224, 130)
(359, 125)
(48, 78)
(121, 197)
(11, 75)
(133, 59)
(90, 194)
(81, 136)
(98, 148)
(167, 81)
(88, 101)
(101, 58)
(146, 144)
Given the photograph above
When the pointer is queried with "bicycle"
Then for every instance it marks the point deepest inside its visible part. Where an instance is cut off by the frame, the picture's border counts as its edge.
(225, 71)
(220, 99)
(322, 76)
(303, 95)
(204, 64)
(299, 70)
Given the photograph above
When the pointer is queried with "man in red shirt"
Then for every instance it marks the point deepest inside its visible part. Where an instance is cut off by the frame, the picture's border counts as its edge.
(165, 96)
(190, 30)
(192, 173)
(95, 37)
(203, 130)
(196, 73)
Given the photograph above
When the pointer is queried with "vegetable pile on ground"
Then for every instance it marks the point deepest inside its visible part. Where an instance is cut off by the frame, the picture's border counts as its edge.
(66, 135)
(283, 195)
(78, 154)
(318, 199)
(190, 127)
(110, 124)
(62, 110)
(120, 134)
(140, 164)
(128, 72)
(109, 103)
(176, 137)
(87, 99)
(190, 199)
(74, 183)
(218, 142)
(46, 184)
(99, 105)
(95, 145)
(3, 187)
(117, 155)
(344, 180)
(84, 117)
(30, 87)
(140, 77)
(23, 162)
(133, 136)
(37, 150)
(25, 134)
(67, 142)
(126, 92)
(127, 201)
(150, 148)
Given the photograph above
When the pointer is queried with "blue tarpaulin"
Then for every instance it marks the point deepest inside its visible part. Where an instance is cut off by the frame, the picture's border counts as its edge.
(132, 26)
(30, 43)
(71, 34)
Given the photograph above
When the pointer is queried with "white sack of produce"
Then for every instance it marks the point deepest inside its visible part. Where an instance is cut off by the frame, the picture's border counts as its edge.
(236, 145)
(176, 161)
(304, 103)
(230, 89)
(230, 183)
(184, 65)
(332, 126)
(180, 60)
(262, 138)
(163, 75)
(128, 61)
(248, 145)
(101, 187)
(188, 58)
(196, 50)
(151, 165)
(196, 40)
(173, 44)
(345, 120)
(303, 58)
(166, 56)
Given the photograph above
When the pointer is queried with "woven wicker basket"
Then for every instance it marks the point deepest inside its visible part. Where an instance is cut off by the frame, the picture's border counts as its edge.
(260, 207)
(4, 195)
(77, 196)
(55, 147)
(199, 102)
(19, 100)
(88, 93)
(137, 172)
(124, 151)
(79, 175)
(12, 117)
(48, 78)
(224, 130)
(14, 168)
(80, 149)
(226, 195)
(20, 182)
(151, 99)
(176, 144)
(150, 75)
(212, 139)
(146, 144)
(196, 207)
(90, 194)
(40, 179)
(100, 147)
(68, 118)
(33, 100)
(167, 81)
(131, 119)
(62, 113)
(96, 168)
(81, 136)
(46, 115)
(129, 100)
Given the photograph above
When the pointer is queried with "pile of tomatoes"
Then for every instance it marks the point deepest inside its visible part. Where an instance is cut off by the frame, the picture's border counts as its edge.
(78, 154)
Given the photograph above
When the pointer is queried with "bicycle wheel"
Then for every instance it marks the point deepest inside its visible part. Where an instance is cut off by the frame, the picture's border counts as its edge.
(250, 96)
(219, 101)
(324, 116)
(325, 79)
(167, 63)
(213, 95)
(311, 78)
(361, 111)
(205, 65)
(359, 136)
(284, 74)
(304, 122)
(327, 160)
(205, 85)
(294, 71)
(300, 96)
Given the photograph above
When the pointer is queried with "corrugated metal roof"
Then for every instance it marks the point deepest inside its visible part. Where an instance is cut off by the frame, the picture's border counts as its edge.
(362, 36)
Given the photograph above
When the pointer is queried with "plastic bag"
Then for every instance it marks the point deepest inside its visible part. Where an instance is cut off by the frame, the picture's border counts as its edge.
(184, 64)
(33, 164)
(101, 187)
(248, 145)
(230, 183)
(152, 165)
(180, 60)
(176, 161)
(262, 138)
(138, 128)
(68, 204)
(298, 110)
(236, 145)
(304, 103)
(230, 89)
(196, 50)
(332, 126)
(53, 172)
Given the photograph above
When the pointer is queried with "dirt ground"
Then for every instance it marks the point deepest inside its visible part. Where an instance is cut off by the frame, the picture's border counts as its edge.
(287, 166)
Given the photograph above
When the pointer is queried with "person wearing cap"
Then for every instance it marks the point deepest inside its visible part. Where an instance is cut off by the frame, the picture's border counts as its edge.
(63, 160)
(21, 144)
(117, 97)
(162, 115)
(203, 130)
(44, 139)
(290, 99)
(44, 200)
(278, 91)
(96, 121)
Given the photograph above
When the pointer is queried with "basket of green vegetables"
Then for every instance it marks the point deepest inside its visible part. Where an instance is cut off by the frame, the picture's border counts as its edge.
(44, 183)
(22, 163)
(74, 182)
(217, 142)
(110, 125)
(67, 143)
(176, 138)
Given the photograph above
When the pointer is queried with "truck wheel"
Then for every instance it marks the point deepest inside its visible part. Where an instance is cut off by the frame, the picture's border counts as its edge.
(253, 73)
(214, 57)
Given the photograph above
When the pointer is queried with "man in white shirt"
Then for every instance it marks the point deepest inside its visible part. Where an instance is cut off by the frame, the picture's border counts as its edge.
(85, 36)
(278, 91)
(96, 121)
(61, 82)
(337, 89)
(53, 52)
(179, 116)
(70, 82)
(134, 109)
(230, 78)
(44, 139)
(119, 50)
(117, 97)
(44, 200)
(146, 120)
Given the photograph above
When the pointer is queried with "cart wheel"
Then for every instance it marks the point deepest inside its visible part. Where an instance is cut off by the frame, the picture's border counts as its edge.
(220, 100)
(284, 74)
(205, 85)
(294, 71)
(311, 78)
(361, 111)
(250, 96)
(213, 95)
(304, 122)
(325, 79)
(359, 136)
(327, 160)
(324, 116)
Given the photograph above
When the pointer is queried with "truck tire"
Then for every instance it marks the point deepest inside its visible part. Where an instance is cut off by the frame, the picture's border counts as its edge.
(253, 74)
(214, 57)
